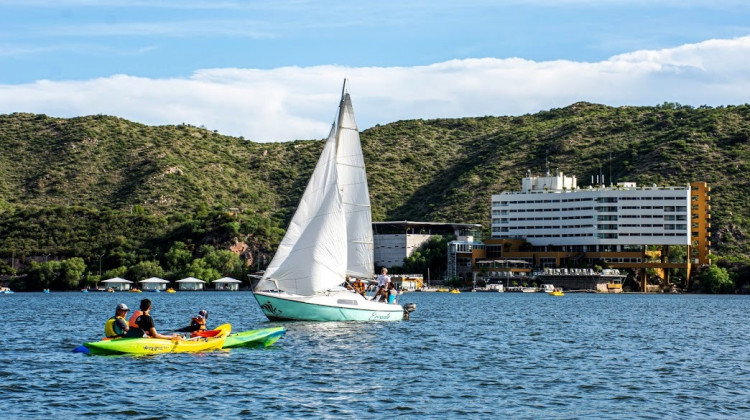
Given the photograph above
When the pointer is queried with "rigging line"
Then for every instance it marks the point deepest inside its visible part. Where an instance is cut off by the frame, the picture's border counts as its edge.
(350, 165)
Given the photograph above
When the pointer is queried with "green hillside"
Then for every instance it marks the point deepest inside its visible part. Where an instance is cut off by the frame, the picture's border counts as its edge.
(103, 185)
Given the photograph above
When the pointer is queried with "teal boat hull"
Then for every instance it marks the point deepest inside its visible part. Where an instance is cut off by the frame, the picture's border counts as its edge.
(280, 307)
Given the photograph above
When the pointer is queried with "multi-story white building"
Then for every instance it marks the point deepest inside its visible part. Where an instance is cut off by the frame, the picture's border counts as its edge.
(552, 211)
(551, 222)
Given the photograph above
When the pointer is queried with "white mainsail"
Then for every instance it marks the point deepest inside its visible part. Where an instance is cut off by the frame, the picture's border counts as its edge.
(330, 235)
(308, 259)
(354, 193)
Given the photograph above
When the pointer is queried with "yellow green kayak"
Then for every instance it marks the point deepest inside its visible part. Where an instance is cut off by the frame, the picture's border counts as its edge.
(158, 345)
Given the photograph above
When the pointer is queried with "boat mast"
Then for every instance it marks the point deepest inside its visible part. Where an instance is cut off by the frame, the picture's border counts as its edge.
(340, 119)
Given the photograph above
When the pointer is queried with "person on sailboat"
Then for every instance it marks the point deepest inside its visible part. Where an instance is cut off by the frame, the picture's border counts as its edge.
(390, 292)
(383, 280)
(359, 286)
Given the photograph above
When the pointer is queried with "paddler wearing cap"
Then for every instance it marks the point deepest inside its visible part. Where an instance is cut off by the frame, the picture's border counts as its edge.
(197, 322)
(117, 326)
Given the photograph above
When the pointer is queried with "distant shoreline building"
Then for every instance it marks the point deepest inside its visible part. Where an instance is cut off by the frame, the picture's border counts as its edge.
(552, 223)
(396, 240)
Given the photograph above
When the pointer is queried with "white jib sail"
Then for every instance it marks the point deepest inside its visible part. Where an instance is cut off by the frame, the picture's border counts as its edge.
(354, 193)
(312, 255)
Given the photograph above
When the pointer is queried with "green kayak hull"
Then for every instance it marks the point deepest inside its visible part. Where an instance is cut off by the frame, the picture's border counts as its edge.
(254, 338)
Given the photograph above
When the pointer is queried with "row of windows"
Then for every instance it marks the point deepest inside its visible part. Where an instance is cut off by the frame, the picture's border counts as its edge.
(566, 200)
(651, 198)
(652, 234)
(599, 235)
(570, 200)
(610, 209)
(522, 219)
(599, 227)
(678, 218)
(570, 235)
(666, 227)
(548, 227)
(535, 210)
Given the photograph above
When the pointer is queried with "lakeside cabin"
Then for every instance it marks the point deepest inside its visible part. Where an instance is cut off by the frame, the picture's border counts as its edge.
(154, 283)
(227, 283)
(118, 284)
(190, 284)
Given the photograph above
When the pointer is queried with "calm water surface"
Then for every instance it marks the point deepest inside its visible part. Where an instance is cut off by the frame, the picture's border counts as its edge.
(475, 355)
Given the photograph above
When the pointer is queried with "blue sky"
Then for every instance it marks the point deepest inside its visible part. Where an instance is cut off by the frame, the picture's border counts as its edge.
(270, 70)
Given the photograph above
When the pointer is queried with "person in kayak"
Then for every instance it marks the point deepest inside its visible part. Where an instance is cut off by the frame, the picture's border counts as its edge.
(131, 321)
(145, 324)
(116, 326)
(197, 323)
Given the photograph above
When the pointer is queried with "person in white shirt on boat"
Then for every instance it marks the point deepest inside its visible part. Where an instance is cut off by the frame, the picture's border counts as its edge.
(383, 280)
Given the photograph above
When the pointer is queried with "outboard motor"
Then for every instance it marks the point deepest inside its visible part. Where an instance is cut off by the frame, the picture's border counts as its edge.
(408, 309)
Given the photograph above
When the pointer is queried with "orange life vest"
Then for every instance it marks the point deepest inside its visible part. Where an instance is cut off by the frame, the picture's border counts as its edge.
(132, 319)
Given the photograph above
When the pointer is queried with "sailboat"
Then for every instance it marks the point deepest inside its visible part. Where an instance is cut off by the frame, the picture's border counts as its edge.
(329, 239)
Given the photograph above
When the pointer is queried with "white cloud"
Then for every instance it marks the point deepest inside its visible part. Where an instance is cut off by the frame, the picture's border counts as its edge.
(300, 102)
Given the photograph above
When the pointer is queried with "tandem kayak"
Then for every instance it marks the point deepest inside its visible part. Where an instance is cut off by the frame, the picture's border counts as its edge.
(254, 338)
(158, 345)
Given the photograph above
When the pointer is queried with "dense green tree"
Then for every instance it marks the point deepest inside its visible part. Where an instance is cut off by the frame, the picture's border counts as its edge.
(42, 275)
(116, 272)
(6, 269)
(715, 279)
(200, 269)
(71, 272)
(432, 255)
(225, 262)
(178, 257)
(144, 270)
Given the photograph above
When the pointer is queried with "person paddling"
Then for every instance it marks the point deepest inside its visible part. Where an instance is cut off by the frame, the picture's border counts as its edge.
(145, 324)
(131, 321)
(116, 326)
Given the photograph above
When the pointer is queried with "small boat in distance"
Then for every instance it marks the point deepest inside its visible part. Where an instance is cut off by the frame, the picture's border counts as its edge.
(556, 292)
(329, 239)
(455, 291)
(5, 291)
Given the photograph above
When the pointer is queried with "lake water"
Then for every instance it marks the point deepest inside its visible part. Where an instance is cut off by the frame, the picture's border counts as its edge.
(474, 355)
